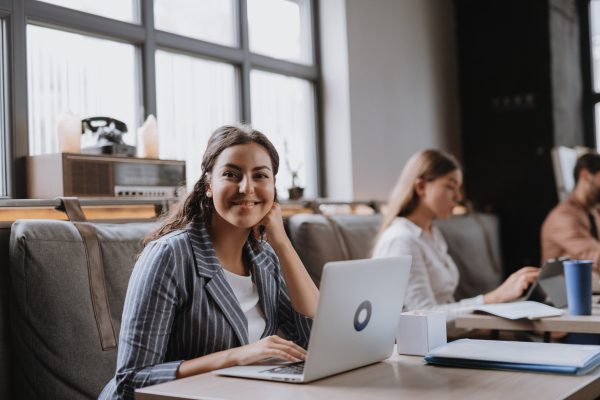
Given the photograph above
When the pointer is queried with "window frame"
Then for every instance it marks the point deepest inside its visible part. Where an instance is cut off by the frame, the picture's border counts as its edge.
(19, 13)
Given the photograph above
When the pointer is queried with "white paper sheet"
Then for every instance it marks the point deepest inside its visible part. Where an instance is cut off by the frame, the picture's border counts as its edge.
(520, 309)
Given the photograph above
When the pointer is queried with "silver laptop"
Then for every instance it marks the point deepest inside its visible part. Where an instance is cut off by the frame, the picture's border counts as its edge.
(357, 317)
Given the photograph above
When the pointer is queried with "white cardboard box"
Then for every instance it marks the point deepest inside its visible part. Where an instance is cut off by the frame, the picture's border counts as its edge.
(419, 332)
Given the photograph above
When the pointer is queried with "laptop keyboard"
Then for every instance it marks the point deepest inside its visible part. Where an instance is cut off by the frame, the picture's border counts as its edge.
(293, 369)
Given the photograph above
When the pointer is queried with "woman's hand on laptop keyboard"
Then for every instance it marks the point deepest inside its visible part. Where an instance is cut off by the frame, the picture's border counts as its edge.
(513, 287)
(271, 346)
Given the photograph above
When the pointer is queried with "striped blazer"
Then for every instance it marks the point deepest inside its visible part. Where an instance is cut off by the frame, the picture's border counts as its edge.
(180, 306)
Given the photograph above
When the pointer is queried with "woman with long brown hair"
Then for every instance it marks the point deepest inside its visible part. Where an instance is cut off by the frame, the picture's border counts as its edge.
(428, 188)
(208, 291)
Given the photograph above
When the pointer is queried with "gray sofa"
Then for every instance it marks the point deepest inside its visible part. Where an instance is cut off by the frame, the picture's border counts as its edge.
(55, 347)
(55, 334)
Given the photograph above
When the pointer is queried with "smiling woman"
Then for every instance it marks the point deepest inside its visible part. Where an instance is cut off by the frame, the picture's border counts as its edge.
(208, 291)
(242, 187)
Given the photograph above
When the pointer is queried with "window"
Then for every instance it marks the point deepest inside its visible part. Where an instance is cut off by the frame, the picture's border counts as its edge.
(280, 29)
(65, 72)
(122, 10)
(195, 97)
(208, 20)
(194, 64)
(282, 109)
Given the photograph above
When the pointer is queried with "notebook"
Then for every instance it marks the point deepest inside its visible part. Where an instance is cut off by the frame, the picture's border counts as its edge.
(520, 309)
(557, 358)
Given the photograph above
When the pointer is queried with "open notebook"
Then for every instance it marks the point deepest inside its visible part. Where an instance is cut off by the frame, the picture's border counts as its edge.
(558, 358)
(520, 309)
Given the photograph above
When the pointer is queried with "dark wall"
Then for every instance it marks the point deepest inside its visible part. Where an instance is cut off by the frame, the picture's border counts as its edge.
(506, 104)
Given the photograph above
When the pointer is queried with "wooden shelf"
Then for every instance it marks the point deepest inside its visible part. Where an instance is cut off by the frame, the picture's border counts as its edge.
(94, 209)
(91, 212)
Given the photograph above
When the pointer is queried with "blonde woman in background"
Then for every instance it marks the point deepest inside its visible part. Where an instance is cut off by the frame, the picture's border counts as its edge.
(429, 187)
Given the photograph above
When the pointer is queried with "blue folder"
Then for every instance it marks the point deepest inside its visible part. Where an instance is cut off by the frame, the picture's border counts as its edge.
(452, 357)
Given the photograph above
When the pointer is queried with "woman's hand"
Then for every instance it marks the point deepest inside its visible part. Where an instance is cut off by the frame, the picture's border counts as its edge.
(271, 346)
(273, 223)
(302, 290)
(513, 287)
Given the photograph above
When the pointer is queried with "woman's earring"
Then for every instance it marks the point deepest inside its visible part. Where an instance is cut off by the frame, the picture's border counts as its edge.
(209, 194)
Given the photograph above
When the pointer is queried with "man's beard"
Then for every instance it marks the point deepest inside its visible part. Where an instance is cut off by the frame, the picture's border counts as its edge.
(594, 192)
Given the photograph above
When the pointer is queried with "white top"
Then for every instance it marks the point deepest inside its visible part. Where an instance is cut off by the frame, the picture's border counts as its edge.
(247, 295)
(433, 274)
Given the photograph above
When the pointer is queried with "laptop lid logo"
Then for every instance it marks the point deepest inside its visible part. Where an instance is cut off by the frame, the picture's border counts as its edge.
(362, 315)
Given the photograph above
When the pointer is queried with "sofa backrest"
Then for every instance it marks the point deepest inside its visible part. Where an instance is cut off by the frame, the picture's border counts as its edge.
(315, 241)
(480, 271)
(52, 319)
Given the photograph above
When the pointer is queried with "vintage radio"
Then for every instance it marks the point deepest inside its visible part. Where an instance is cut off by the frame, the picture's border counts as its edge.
(92, 176)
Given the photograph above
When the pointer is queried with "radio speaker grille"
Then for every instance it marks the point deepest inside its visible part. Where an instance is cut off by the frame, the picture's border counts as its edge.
(90, 178)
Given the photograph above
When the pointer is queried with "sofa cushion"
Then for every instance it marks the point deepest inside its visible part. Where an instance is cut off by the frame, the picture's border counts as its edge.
(52, 319)
(468, 248)
(313, 237)
(358, 232)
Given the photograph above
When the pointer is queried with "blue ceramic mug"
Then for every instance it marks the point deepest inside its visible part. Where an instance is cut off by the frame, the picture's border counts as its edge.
(578, 277)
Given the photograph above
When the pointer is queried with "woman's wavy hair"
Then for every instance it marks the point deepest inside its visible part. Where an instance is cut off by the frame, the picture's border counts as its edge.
(427, 165)
(199, 208)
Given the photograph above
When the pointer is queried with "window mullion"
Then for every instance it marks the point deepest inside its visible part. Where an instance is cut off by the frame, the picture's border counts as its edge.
(19, 143)
(318, 122)
(149, 59)
(244, 92)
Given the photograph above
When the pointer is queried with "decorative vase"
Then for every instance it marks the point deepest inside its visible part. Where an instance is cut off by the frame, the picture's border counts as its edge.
(295, 193)
(69, 133)
(147, 145)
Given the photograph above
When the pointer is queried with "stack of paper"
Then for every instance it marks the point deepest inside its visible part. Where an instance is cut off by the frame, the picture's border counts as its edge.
(520, 309)
(571, 359)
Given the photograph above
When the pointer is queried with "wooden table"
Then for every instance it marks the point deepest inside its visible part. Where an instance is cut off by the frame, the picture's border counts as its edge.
(564, 323)
(400, 377)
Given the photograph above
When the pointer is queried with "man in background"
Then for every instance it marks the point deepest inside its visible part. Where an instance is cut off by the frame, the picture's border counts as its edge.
(571, 228)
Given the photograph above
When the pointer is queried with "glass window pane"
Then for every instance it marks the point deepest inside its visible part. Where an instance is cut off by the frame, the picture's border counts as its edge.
(123, 10)
(194, 97)
(208, 20)
(64, 73)
(283, 109)
(280, 29)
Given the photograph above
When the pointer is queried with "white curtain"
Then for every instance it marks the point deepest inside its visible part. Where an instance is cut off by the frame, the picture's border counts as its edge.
(283, 109)
(194, 97)
(90, 76)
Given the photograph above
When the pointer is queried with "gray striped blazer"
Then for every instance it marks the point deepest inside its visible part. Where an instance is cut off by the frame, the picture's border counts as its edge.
(179, 306)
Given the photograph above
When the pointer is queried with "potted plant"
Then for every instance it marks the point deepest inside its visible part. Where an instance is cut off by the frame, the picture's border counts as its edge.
(294, 192)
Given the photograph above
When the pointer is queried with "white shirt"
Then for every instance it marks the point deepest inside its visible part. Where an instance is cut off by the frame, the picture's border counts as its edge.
(433, 274)
(246, 292)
